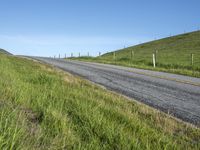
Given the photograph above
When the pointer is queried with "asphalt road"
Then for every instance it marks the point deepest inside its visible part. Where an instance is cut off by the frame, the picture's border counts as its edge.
(174, 94)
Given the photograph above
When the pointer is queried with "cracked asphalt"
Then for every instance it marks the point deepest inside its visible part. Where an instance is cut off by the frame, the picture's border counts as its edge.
(174, 94)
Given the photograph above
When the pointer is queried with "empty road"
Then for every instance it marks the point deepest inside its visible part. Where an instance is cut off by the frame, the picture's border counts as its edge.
(176, 94)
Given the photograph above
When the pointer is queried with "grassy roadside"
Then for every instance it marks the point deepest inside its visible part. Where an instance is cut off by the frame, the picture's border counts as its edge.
(44, 108)
(173, 54)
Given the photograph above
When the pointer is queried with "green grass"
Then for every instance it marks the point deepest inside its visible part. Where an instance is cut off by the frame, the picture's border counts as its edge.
(173, 55)
(45, 108)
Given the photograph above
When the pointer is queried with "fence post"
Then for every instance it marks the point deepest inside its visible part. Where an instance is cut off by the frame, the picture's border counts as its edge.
(154, 61)
(88, 54)
(59, 56)
(99, 53)
(192, 59)
(71, 54)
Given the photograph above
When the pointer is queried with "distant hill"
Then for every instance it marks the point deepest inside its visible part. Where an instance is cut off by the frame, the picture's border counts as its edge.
(4, 51)
(171, 50)
(177, 54)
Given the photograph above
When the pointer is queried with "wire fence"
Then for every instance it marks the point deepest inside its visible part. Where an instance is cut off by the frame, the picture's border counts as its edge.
(183, 50)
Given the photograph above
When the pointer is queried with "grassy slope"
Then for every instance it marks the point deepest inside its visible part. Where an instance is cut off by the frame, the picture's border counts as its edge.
(173, 55)
(44, 108)
(4, 51)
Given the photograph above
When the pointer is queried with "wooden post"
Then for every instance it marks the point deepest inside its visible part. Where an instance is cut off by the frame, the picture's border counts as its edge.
(59, 56)
(154, 61)
(71, 54)
(192, 59)
(88, 54)
(99, 53)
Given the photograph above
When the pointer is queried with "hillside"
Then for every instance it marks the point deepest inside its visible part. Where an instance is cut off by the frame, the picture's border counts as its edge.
(45, 108)
(171, 50)
(173, 54)
(4, 51)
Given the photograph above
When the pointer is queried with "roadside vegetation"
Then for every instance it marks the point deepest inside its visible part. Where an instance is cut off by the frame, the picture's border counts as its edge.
(45, 108)
(178, 54)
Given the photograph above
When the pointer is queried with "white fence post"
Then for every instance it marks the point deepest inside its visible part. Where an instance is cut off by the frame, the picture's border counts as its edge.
(154, 61)
(192, 59)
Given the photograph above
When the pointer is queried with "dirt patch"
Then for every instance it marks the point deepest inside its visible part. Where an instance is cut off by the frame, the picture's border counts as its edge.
(34, 119)
(33, 116)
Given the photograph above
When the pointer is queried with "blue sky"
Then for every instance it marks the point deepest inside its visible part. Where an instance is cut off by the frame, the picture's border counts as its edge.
(50, 27)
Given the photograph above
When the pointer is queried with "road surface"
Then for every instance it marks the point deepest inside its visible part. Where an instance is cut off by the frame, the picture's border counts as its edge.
(175, 94)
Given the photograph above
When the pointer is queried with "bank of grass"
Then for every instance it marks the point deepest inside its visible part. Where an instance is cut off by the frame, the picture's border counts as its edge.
(44, 108)
(173, 54)
(2, 51)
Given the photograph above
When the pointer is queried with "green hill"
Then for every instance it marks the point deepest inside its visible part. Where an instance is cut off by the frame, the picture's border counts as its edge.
(172, 50)
(4, 51)
(173, 54)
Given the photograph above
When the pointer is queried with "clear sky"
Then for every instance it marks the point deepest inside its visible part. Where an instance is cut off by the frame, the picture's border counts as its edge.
(50, 27)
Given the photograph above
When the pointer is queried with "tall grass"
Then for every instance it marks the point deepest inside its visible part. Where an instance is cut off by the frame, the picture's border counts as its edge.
(44, 108)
